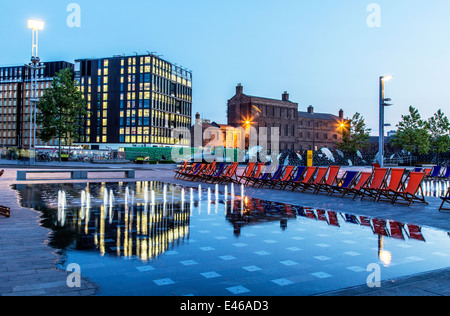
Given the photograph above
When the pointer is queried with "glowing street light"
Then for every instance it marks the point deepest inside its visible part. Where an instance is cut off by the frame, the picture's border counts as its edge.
(34, 66)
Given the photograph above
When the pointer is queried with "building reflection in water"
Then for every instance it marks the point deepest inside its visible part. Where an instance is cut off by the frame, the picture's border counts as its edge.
(125, 220)
(145, 219)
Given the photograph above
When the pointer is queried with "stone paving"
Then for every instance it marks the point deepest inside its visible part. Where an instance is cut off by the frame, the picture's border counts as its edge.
(29, 267)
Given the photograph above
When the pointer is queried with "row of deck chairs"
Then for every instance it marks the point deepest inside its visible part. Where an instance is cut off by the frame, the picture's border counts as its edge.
(220, 173)
(435, 173)
(382, 184)
(4, 211)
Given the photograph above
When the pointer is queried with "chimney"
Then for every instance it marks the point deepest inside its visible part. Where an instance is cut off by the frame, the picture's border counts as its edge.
(285, 96)
(197, 118)
(310, 109)
(239, 89)
(341, 113)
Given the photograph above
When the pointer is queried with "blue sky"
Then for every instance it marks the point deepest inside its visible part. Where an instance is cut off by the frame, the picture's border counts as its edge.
(322, 52)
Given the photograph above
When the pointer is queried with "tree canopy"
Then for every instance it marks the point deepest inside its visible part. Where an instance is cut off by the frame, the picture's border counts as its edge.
(61, 110)
(355, 134)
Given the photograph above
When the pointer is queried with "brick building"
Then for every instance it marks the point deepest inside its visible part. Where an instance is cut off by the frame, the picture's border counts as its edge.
(298, 130)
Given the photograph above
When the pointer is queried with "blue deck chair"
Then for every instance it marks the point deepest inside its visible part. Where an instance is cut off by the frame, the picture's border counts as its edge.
(435, 173)
(418, 169)
(445, 175)
(275, 177)
(298, 176)
(346, 183)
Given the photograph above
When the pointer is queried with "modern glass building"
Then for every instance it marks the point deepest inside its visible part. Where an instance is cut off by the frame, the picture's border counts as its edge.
(134, 101)
(15, 101)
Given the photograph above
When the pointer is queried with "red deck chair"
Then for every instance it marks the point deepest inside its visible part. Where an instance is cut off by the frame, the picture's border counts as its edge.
(412, 192)
(194, 168)
(230, 174)
(248, 170)
(364, 178)
(377, 182)
(395, 183)
(253, 174)
(333, 218)
(208, 171)
(325, 185)
(260, 172)
(320, 176)
(310, 172)
(181, 169)
(196, 172)
(379, 227)
(296, 176)
(278, 183)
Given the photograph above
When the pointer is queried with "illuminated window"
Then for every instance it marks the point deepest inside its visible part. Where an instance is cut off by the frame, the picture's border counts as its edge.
(104, 140)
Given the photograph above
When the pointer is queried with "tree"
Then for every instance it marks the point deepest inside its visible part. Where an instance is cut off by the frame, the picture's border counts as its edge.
(438, 127)
(412, 133)
(61, 110)
(355, 134)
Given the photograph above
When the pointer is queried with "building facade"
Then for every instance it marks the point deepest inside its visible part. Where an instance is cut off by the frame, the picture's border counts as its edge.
(16, 90)
(297, 130)
(134, 101)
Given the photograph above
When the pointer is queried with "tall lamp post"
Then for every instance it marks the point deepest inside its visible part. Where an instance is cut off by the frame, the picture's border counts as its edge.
(34, 66)
(383, 104)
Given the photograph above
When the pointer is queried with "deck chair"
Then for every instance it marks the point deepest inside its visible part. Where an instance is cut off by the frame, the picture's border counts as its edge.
(445, 199)
(279, 183)
(195, 172)
(208, 171)
(364, 178)
(295, 177)
(194, 168)
(386, 193)
(260, 172)
(320, 176)
(216, 174)
(345, 183)
(269, 171)
(307, 178)
(435, 172)
(246, 179)
(5, 211)
(272, 177)
(418, 169)
(332, 179)
(377, 182)
(412, 192)
(445, 175)
(248, 171)
(230, 174)
(427, 171)
(180, 170)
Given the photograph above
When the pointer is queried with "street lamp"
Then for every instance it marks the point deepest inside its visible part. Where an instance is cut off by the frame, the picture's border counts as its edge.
(35, 26)
(383, 104)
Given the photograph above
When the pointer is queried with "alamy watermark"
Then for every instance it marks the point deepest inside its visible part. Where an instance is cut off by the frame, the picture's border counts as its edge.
(74, 278)
(374, 18)
(74, 18)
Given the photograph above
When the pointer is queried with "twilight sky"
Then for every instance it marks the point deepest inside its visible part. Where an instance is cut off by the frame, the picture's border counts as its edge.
(324, 52)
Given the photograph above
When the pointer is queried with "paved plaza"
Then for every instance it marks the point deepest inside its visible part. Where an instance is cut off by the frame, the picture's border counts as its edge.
(28, 266)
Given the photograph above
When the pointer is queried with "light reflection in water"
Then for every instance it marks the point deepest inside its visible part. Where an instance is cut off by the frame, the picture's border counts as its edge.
(137, 221)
